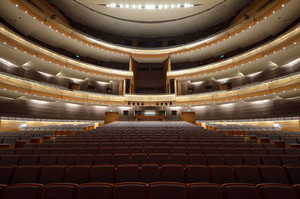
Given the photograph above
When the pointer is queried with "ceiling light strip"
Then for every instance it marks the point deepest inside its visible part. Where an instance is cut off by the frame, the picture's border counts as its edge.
(149, 6)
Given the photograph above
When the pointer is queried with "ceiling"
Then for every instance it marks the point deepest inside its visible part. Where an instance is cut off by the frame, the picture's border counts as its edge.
(150, 23)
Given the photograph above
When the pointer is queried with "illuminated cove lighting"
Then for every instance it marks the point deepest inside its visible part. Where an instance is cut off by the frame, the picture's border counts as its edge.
(149, 6)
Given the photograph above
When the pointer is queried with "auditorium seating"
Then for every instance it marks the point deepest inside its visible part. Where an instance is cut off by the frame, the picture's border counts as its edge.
(188, 162)
(190, 173)
(140, 190)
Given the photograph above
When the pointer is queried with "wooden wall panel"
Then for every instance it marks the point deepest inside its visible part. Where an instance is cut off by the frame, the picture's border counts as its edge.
(111, 117)
(188, 117)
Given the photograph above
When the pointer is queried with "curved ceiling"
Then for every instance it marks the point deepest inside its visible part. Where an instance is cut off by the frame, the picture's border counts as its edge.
(150, 23)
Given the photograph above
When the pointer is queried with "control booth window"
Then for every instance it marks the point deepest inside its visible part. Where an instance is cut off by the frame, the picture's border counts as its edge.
(149, 113)
(137, 113)
(161, 113)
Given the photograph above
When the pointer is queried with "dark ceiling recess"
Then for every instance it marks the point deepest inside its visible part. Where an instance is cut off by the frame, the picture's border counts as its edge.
(149, 42)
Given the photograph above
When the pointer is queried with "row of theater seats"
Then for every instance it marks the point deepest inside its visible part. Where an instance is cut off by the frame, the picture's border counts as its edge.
(157, 158)
(204, 143)
(149, 149)
(156, 190)
(150, 173)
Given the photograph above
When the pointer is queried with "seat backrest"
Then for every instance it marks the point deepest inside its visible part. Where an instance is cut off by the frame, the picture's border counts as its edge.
(139, 158)
(221, 174)
(9, 159)
(48, 159)
(105, 150)
(24, 151)
(59, 191)
(102, 173)
(127, 173)
(289, 159)
(242, 150)
(136, 149)
(66, 159)
(150, 173)
(172, 173)
(2, 187)
(275, 151)
(6, 173)
(159, 158)
(130, 190)
(276, 191)
(196, 173)
(24, 191)
(292, 151)
(26, 174)
(293, 173)
(8, 151)
(205, 191)
(102, 159)
(270, 159)
(251, 159)
(232, 159)
(209, 150)
(52, 174)
(41, 151)
(181, 149)
(273, 174)
(247, 174)
(258, 151)
(74, 150)
(94, 190)
(197, 159)
(161, 190)
(120, 159)
(29, 159)
(90, 150)
(240, 191)
(177, 158)
(77, 174)
(85, 159)
(214, 159)
(57, 150)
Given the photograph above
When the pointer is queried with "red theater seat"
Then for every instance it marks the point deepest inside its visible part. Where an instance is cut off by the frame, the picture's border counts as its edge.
(221, 174)
(77, 174)
(23, 191)
(159, 158)
(139, 158)
(172, 173)
(29, 159)
(276, 191)
(26, 174)
(150, 173)
(127, 173)
(240, 191)
(94, 191)
(273, 174)
(6, 172)
(179, 158)
(102, 173)
(85, 159)
(130, 190)
(247, 174)
(52, 174)
(196, 173)
(161, 190)
(120, 159)
(293, 173)
(102, 159)
(48, 159)
(59, 191)
(66, 159)
(205, 191)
